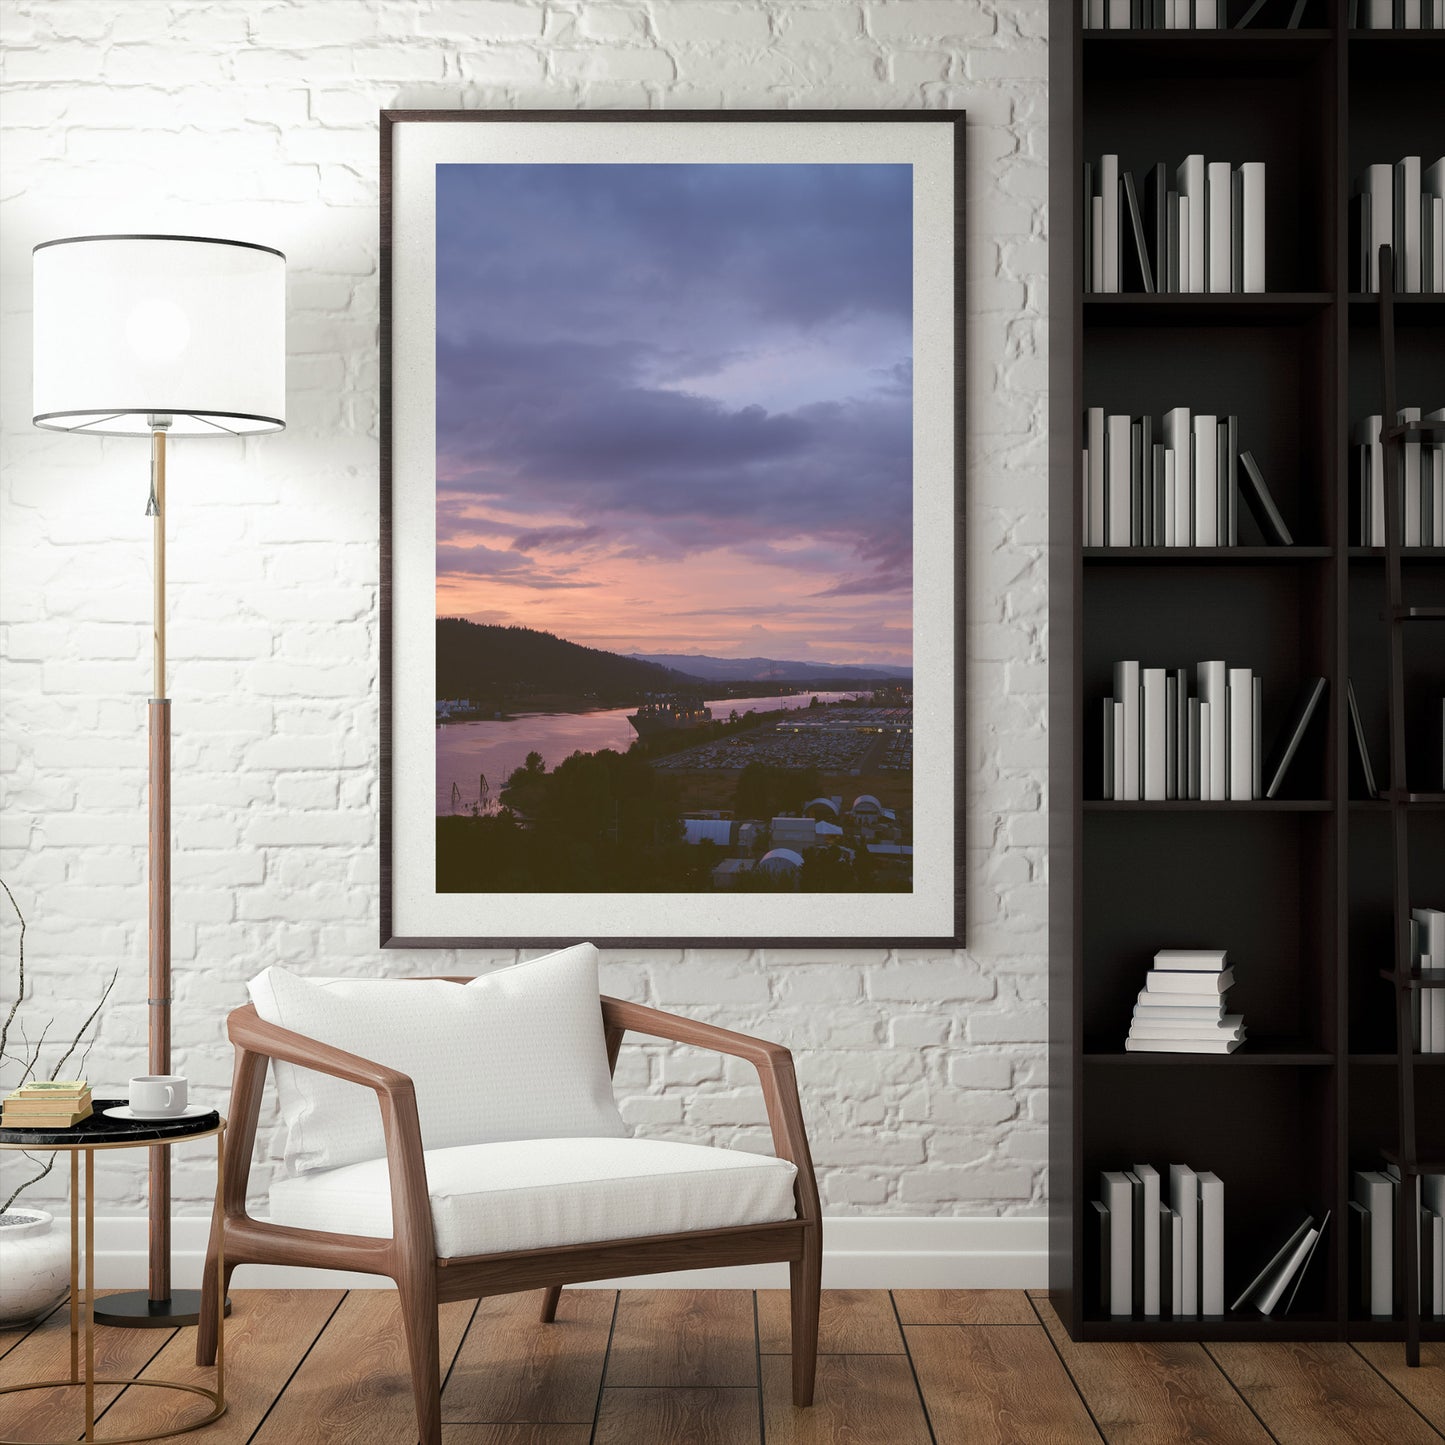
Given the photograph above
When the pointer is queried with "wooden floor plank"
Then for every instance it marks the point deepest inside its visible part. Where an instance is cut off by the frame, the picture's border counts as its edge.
(697, 1416)
(1154, 1393)
(1424, 1386)
(1319, 1394)
(997, 1385)
(850, 1322)
(511, 1367)
(11, 1335)
(515, 1434)
(354, 1388)
(44, 1354)
(684, 1337)
(268, 1332)
(860, 1399)
(963, 1307)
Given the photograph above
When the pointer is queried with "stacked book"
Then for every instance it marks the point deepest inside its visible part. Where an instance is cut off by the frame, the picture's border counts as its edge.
(1397, 15)
(1401, 206)
(1427, 949)
(1205, 232)
(1181, 1008)
(48, 1104)
(1157, 1258)
(1175, 484)
(1372, 1222)
(1420, 486)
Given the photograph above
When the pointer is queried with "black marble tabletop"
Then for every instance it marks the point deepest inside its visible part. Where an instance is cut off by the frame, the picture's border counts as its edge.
(100, 1129)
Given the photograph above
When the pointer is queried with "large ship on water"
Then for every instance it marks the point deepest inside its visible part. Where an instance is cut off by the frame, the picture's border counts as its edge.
(669, 715)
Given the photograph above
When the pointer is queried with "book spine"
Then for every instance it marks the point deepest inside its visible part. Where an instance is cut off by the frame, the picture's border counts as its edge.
(1126, 693)
(1171, 738)
(1098, 524)
(1211, 1245)
(1137, 518)
(1096, 243)
(1204, 470)
(1241, 735)
(1407, 222)
(1214, 740)
(1149, 1178)
(1109, 195)
(1219, 247)
(1119, 750)
(1117, 452)
(1156, 715)
(1411, 482)
(1171, 517)
(1380, 185)
(1198, 718)
(1190, 179)
(1159, 476)
(1257, 736)
(1230, 441)
(1252, 226)
(1184, 1195)
(1119, 1200)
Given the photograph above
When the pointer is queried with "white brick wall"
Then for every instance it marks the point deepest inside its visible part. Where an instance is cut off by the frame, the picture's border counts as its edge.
(922, 1075)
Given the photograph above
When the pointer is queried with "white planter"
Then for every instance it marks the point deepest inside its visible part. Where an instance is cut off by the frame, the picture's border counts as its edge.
(34, 1266)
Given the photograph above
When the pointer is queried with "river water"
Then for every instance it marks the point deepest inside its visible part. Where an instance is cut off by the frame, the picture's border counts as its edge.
(468, 750)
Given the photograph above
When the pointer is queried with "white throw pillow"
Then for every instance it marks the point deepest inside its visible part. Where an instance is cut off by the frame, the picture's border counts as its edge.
(514, 1054)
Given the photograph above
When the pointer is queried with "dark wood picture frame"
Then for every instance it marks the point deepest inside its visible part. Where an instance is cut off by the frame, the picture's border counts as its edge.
(951, 936)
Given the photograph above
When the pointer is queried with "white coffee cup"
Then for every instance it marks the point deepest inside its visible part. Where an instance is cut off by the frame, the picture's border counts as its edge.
(158, 1096)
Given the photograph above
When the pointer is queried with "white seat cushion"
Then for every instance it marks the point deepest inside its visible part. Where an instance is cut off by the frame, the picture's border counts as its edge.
(539, 1193)
(518, 1053)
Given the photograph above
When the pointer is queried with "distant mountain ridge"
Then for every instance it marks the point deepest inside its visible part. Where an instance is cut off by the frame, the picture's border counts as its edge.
(479, 660)
(767, 669)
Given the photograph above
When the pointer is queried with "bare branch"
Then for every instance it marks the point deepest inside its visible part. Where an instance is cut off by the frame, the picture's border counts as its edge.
(20, 989)
(35, 1179)
(74, 1043)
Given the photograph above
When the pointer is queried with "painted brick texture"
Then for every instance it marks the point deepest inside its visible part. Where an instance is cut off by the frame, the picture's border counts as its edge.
(922, 1075)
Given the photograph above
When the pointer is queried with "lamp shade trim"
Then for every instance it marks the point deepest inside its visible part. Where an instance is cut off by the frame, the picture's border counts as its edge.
(158, 236)
(270, 423)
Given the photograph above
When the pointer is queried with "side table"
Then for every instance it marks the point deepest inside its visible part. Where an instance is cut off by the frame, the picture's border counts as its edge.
(98, 1132)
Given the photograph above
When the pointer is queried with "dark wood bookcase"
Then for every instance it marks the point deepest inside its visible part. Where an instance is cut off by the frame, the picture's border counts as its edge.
(1297, 888)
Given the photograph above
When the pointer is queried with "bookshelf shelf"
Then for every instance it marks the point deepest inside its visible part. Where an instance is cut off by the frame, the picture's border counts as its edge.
(1206, 556)
(1300, 891)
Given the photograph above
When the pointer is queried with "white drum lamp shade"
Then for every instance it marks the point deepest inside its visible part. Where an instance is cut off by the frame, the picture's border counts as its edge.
(130, 328)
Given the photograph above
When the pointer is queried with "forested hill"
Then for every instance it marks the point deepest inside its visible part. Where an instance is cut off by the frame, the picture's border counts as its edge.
(512, 663)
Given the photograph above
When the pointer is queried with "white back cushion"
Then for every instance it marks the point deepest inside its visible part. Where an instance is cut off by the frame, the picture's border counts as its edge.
(515, 1054)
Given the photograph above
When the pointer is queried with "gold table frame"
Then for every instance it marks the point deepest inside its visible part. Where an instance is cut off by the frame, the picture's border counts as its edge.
(82, 1301)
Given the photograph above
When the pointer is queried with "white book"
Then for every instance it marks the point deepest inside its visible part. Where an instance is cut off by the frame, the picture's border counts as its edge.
(1109, 194)
(1208, 960)
(1181, 1046)
(1257, 767)
(1252, 173)
(1118, 793)
(1171, 520)
(1376, 1194)
(1096, 243)
(1206, 481)
(1213, 680)
(1117, 480)
(1275, 1289)
(1118, 1197)
(1432, 941)
(1205, 985)
(1211, 1245)
(1186, 277)
(1379, 185)
(1184, 1196)
(1407, 221)
(1206, 14)
(1374, 478)
(1176, 1262)
(1179, 439)
(1098, 526)
(1241, 735)
(1230, 1026)
(1156, 713)
(1118, 14)
(1171, 737)
(1126, 692)
(1411, 450)
(1432, 1196)
(1410, 18)
(1163, 1008)
(1378, 15)
(1219, 243)
(1192, 218)
(1149, 1178)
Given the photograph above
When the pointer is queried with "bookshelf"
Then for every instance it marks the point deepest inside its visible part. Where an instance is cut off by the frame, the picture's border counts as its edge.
(1299, 887)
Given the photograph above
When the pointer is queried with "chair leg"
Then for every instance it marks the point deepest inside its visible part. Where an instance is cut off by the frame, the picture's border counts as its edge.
(206, 1323)
(806, 1283)
(418, 1293)
(550, 1296)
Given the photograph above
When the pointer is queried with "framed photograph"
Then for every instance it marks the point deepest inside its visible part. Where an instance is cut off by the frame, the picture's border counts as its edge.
(672, 528)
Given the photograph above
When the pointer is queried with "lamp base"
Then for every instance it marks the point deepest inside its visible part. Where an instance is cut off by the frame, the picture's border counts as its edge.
(136, 1310)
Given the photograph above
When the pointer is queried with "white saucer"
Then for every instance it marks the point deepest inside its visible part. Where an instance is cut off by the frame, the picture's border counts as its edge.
(124, 1111)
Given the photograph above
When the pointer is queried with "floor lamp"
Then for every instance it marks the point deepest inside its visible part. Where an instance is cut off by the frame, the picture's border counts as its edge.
(159, 336)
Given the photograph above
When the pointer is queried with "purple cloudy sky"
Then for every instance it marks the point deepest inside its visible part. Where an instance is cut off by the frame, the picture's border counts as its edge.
(674, 406)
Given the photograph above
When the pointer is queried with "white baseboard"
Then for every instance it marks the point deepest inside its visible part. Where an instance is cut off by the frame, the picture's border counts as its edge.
(889, 1252)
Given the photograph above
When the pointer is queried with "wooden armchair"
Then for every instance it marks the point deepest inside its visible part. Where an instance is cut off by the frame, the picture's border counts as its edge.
(409, 1257)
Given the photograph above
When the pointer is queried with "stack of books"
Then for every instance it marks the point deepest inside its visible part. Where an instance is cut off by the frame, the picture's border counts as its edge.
(1401, 206)
(1427, 948)
(1206, 232)
(1174, 485)
(1181, 1008)
(1159, 1259)
(1372, 1223)
(1205, 14)
(1421, 487)
(47, 1104)
(1397, 15)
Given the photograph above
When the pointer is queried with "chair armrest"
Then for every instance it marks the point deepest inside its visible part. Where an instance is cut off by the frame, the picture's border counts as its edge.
(396, 1095)
(773, 1062)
